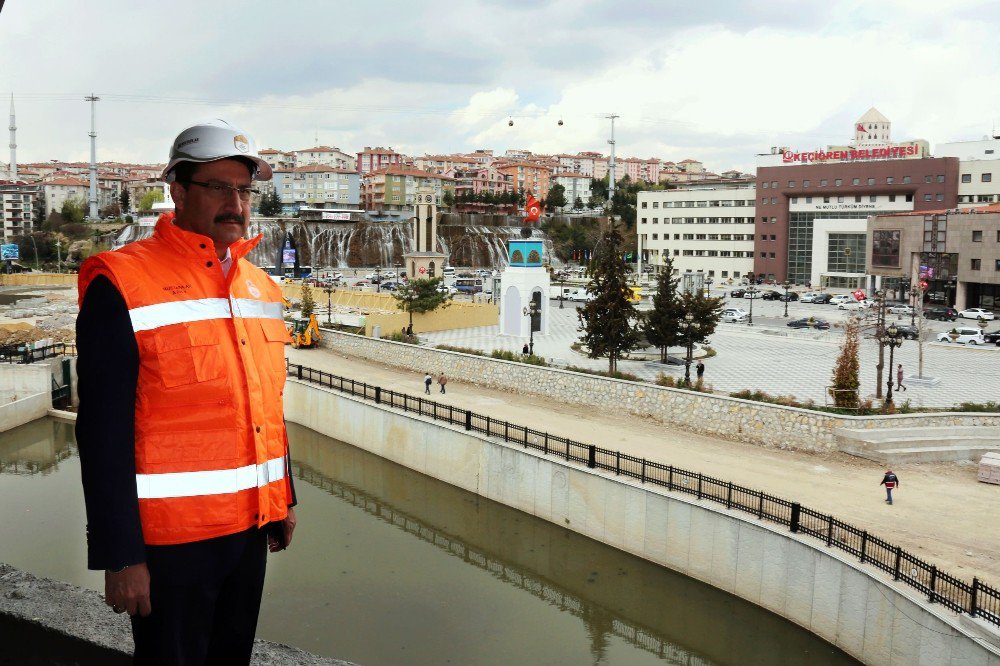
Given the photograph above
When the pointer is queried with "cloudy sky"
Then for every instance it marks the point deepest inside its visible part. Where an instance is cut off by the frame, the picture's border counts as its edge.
(717, 81)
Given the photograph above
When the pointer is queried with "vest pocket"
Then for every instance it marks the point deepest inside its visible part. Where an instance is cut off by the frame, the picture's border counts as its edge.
(277, 337)
(187, 355)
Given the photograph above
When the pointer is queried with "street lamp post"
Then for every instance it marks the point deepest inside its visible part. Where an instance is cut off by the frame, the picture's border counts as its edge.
(708, 286)
(378, 279)
(690, 326)
(890, 337)
(786, 284)
(329, 304)
(531, 311)
(752, 292)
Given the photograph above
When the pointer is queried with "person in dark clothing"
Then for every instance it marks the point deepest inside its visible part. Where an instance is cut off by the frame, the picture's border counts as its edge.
(181, 555)
(701, 370)
(890, 481)
(525, 350)
(428, 380)
(442, 380)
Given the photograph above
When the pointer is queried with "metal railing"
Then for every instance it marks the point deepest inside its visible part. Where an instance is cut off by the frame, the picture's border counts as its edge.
(976, 598)
(24, 354)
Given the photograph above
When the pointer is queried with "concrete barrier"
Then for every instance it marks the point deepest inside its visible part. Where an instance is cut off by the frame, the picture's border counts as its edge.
(824, 591)
(25, 394)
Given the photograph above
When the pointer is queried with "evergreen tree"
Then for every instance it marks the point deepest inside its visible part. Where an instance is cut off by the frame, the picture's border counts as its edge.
(448, 199)
(421, 295)
(308, 302)
(578, 204)
(662, 323)
(706, 311)
(125, 199)
(847, 371)
(556, 198)
(608, 322)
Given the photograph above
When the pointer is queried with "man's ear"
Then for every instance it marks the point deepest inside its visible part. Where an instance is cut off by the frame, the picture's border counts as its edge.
(178, 193)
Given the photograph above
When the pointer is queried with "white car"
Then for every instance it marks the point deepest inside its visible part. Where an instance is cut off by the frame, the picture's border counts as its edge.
(854, 305)
(901, 308)
(841, 298)
(581, 296)
(808, 297)
(977, 313)
(970, 336)
(734, 315)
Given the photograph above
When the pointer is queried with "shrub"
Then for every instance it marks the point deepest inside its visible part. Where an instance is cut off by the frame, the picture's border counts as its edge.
(506, 355)
(989, 406)
(461, 350)
(665, 380)
(399, 336)
(604, 373)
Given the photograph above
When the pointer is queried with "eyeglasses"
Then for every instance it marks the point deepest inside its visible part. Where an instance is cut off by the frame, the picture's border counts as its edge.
(221, 190)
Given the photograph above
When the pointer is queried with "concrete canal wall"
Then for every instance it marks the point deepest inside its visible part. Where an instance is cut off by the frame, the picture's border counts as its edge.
(824, 591)
(25, 394)
(747, 421)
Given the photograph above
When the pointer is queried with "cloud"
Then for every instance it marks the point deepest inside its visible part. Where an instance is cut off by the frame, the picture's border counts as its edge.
(714, 81)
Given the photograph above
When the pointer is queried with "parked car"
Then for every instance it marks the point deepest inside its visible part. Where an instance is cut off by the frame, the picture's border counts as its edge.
(970, 336)
(581, 296)
(941, 313)
(389, 285)
(977, 313)
(770, 295)
(808, 297)
(908, 332)
(734, 315)
(790, 296)
(992, 338)
(737, 293)
(854, 305)
(900, 308)
(756, 293)
(809, 322)
(841, 298)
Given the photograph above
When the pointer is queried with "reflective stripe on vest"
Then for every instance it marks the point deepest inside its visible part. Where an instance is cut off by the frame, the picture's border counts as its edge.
(211, 482)
(149, 317)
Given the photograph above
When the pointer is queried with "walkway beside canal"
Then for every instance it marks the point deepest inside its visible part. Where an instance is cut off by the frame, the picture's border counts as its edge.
(941, 513)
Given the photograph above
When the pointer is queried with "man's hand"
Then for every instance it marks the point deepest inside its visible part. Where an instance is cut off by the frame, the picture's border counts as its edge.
(287, 527)
(128, 590)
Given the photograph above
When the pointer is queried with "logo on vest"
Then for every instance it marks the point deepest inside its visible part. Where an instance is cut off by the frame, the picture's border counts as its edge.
(252, 288)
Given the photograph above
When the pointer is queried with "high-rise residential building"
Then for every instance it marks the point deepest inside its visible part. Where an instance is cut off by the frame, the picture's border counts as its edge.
(576, 185)
(316, 186)
(17, 208)
(395, 188)
(373, 159)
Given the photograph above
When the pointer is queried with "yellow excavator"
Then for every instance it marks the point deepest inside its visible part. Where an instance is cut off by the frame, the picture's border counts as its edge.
(303, 332)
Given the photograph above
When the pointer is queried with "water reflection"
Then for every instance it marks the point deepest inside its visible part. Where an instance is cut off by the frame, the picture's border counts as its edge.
(390, 566)
(614, 594)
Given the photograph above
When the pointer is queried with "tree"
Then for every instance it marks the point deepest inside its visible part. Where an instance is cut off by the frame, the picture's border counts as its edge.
(74, 210)
(308, 302)
(269, 205)
(705, 311)
(150, 198)
(662, 323)
(608, 321)
(847, 371)
(111, 210)
(578, 204)
(556, 198)
(448, 199)
(125, 199)
(421, 295)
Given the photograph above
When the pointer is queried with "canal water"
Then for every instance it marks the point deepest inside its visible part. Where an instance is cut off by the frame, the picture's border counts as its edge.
(392, 567)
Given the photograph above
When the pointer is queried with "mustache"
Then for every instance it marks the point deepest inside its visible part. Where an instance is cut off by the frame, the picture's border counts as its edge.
(229, 217)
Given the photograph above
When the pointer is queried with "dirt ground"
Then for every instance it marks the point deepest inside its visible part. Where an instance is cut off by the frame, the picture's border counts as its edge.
(941, 514)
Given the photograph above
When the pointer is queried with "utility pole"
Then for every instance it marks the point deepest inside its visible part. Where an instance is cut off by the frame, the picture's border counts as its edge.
(13, 141)
(93, 99)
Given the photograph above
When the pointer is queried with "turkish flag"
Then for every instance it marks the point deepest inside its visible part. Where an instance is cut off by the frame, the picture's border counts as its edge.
(861, 128)
(859, 295)
(533, 208)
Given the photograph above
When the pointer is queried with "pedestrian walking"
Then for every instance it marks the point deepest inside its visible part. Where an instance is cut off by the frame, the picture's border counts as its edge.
(899, 378)
(890, 481)
(442, 380)
(701, 370)
(428, 380)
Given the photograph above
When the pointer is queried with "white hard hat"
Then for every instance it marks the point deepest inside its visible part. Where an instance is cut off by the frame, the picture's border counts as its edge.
(212, 140)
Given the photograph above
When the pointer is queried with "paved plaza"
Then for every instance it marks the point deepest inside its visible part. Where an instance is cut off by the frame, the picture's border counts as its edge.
(771, 357)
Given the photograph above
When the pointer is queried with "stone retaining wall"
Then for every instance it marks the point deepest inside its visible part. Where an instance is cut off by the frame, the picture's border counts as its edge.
(732, 418)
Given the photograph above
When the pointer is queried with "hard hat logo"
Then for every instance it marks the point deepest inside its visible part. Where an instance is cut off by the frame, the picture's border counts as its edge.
(242, 143)
(213, 140)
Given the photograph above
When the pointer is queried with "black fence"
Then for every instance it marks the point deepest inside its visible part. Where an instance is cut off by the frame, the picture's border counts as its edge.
(22, 354)
(975, 598)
